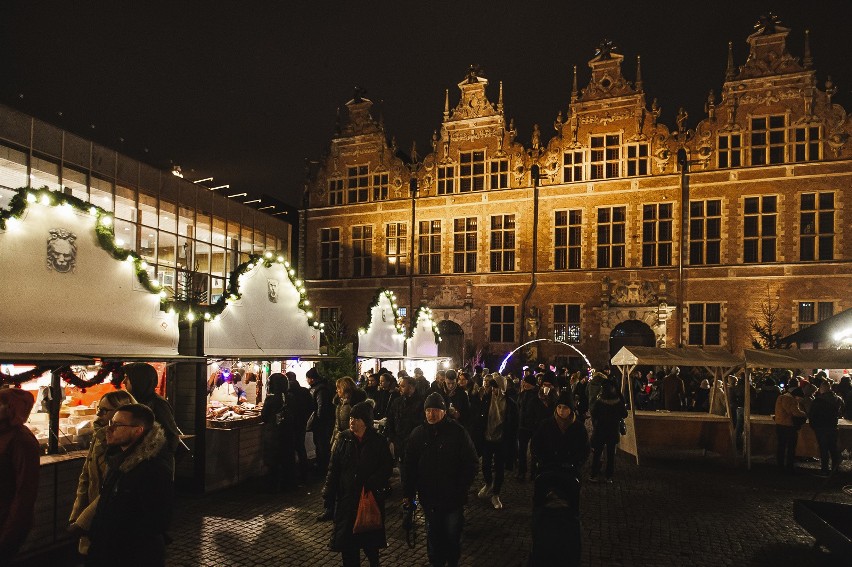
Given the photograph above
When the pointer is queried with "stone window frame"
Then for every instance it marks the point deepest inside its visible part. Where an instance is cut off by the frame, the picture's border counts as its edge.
(498, 174)
(772, 148)
(467, 254)
(502, 319)
(816, 215)
(362, 251)
(396, 248)
(380, 186)
(638, 164)
(704, 242)
(691, 325)
(819, 311)
(472, 171)
(729, 150)
(358, 183)
(611, 246)
(335, 191)
(429, 246)
(757, 235)
(567, 322)
(568, 240)
(446, 178)
(573, 166)
(654, 244)
(601, 156)
(329, 253)
(503, 243)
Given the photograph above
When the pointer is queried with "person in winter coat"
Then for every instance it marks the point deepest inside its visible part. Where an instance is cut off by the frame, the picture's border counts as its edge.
(405, 413)
(826, 409)
(528, 421)
(140, 379)
(303, 406)
(321, 423)
(458, 403)
(499, 422)
(789, 418)
(135, 505)
(19, 468)
(279, 448)
(348, 394)
(440, 465)
(94, 467)
(360, 460)
(561, 443)
(674, 390)
(606, 416)
(388, 392)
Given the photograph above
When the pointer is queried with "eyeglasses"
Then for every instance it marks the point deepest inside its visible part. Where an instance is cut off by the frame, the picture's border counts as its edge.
(103, 411)
(113, 425)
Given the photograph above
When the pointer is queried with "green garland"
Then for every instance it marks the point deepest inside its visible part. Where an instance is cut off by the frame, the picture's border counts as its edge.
(376, 298)
(427, 314)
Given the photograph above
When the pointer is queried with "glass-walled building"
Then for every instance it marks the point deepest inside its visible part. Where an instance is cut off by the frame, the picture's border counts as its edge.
(190, 236)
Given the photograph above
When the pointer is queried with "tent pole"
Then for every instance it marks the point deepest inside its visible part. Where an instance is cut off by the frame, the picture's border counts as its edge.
(747, 418)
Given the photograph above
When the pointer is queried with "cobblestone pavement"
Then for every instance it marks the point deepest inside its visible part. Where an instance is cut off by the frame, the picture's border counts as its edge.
(667, 512)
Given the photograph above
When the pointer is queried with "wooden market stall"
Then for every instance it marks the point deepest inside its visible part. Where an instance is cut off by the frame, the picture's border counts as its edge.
(682, 430)
(421, 348)
(382, 342)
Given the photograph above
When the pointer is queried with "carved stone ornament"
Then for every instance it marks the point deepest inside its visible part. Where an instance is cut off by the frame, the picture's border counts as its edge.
(448, 297)
(61, 250)
(631, 291)
(272, 290)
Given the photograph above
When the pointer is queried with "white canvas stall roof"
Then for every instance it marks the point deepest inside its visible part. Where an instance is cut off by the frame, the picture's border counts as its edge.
(382, 340)
(682, 356)
(422, 343)
(799, 358)
(266, 322)
(64, 294)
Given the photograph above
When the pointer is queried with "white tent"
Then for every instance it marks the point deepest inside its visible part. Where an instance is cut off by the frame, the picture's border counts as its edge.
(382, 339)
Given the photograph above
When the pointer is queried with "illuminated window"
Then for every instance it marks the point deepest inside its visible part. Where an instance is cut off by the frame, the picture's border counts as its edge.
(768, 139)
(572, 166)
(566, 323)
(329, 253)
(811, 312)
(501, 326)
(816, 241)
(760, 228)
(499, 173)
(357, 183)
(429, 255)
(380, 187)
(503, 243)
(396, 248)
(471, 171)
(605, 157)
(362, 251)
(335, 191)
(729, 150)
(705, 324)
(567, 239)
(611, 237)
(637, 159)
(446, 178)
(705, 232)
(657, 235)
(464, 245)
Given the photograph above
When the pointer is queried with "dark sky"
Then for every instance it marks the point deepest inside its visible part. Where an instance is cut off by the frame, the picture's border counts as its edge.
(244, 91)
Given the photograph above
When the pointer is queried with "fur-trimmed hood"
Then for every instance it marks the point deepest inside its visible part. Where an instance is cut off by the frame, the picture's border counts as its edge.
(149, 447)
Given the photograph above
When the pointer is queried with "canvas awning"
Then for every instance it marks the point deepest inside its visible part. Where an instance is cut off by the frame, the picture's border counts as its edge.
(683, 356)
(799, 358)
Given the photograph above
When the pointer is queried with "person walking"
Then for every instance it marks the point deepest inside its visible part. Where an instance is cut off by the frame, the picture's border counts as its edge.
(321, 422)
(789, 418)
(303, 405)
(279, 450)
(606, 418)
(826, 409)
(499, 421)
(94, 468)
(674, 390)
(135, 504)
(528, 417)
(405, 413)
(561, 444)
(440, 465)
(361, 464)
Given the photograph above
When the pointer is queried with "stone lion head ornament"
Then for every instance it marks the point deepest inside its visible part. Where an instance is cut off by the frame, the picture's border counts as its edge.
(61, 250)
(272, 290)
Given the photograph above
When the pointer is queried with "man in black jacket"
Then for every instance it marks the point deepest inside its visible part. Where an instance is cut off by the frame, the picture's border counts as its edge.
(528, 420)
(440, 465)
(303, 406)
(826, 409)
(135, 504)
(321, 423)
(405, 413)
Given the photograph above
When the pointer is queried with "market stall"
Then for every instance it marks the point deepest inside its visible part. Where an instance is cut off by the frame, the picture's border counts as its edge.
(648, 430)
(267, 327)
(421, 348)
(382, 342)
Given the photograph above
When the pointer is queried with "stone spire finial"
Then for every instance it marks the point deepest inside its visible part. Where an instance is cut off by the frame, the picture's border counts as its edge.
(807, 60)
(574, 86)
(447, 104)
(337, 127)
(639, 73)
(500, 99)
(729, 72)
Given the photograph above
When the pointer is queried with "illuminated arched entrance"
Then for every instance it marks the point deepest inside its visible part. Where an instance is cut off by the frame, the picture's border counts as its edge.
(631, 332)
(578, 351)
(452, 342)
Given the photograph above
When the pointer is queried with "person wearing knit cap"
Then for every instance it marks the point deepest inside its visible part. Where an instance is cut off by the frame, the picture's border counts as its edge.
(498, 418)
(19, 469)
(360, 461)
(561, 444)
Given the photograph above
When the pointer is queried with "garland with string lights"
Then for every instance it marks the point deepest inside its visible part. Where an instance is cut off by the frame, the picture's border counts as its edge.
(394, 308)
(424, 313)
(66, 374)
(17, 379)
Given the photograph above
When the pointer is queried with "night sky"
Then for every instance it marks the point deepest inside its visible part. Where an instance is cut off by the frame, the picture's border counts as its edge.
(245, 91)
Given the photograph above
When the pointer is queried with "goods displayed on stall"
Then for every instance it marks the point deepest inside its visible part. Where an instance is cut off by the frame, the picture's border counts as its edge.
(234, 394)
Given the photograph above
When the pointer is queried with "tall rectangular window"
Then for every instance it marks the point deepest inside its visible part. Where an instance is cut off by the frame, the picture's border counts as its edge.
(611, 237)
(768, 139)
(357, 183)
(429, 255)
(464, 245)
(566, 323)
(335, 191)
(729, 150)
(657, 235)
(572, 166)
(816, 241)
(501, 326)
(329, 316)
(499, 173)
(396, 248)
(503, 243)
(705, 232)
(806, 143)
(605, 157)
(705, 323)
(760, 231)
(637, 159)
(446, 179)
(362, 251)
(329, 253)
(567, 239)
(380, 187)
(811, 312)
(471, 171)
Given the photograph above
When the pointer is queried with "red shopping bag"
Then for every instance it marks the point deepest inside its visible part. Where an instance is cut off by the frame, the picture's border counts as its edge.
(369, 516)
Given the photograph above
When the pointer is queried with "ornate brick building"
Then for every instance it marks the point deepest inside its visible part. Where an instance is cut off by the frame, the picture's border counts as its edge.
(616, 231)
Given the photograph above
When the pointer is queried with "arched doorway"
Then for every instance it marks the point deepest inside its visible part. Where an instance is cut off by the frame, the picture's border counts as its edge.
(631, 333)
(452, 342)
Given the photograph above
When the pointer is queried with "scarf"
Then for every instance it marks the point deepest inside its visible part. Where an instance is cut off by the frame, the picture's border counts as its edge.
(496, 416)
(564, 424)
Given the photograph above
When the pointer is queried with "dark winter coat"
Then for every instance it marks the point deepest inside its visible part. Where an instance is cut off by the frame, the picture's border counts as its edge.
(460, 403)
(440, 465)
(144, 388)
(556, 451)
(302, 403)
(19, 470)
(342, 407)
(278, 434)
(825, 410)
(510, 420)
(528, 410)
(404, 415)
(355, 465)
(322, 419)
(135, 506)
(606, 415)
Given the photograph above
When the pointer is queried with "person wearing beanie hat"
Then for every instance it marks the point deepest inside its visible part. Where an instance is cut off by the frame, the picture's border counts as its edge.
(561, 444)
(435, 401)
(19, 469)
(360, 462)
(498, 418)
(279, 447)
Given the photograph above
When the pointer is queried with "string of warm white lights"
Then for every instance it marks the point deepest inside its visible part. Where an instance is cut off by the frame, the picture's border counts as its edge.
(391, 297)
(424, 313)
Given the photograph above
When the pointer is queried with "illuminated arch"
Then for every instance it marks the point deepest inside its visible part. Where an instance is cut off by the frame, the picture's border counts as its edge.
(578, 351)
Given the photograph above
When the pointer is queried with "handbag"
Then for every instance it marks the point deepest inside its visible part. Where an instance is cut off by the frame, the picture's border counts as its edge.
(622, 427)
(369, 517)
